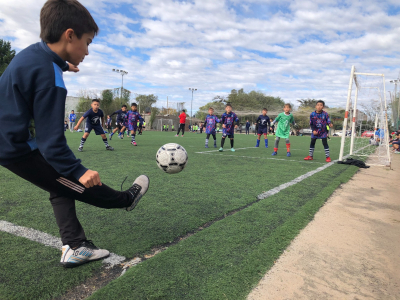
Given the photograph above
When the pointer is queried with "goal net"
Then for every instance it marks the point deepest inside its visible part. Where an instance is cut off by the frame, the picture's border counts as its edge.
(167, 122)
(365, 133)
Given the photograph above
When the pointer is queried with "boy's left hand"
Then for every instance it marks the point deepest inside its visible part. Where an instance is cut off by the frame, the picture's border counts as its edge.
(236, 126)
(223, 126)
(73, 68)
(331, 125)
(315, 132)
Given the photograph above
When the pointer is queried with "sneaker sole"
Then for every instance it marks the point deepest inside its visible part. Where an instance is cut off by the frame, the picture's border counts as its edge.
(137, 199)
(74, 265)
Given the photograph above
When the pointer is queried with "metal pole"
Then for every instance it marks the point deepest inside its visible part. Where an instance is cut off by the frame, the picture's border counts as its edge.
(346, 115)
(191, 111)
(353, 127)
(122, 87)
(398, 106)
(386, 121)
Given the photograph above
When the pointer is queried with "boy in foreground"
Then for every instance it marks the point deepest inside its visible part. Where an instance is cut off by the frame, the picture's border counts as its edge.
(72, 119)
(227, 120)
(319, 119)
(94, 121)
(283, 131)
(39, 153)
(210, 123)
(263, 122)
(133, 119)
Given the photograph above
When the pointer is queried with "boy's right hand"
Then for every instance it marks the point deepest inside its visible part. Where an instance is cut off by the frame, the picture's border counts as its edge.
(76, 128)
(315, 132)
(90, 179)
(223, 126)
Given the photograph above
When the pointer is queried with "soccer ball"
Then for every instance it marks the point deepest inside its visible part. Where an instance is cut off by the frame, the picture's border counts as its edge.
(171, 158)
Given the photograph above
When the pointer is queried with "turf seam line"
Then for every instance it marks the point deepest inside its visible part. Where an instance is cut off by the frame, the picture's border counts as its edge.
(49, 240)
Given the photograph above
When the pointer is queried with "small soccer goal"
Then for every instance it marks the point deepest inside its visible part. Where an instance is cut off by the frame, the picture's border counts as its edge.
(166, 122)
(365, 133)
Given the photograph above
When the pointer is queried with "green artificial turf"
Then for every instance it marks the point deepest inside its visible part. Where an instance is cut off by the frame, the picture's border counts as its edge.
(226, 260)
(29, 270)
(211, 185)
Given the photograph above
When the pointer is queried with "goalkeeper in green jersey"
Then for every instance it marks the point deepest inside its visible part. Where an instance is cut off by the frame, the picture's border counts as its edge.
(283, 131)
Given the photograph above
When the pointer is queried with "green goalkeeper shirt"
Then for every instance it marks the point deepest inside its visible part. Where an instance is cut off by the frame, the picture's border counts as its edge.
(284, 121)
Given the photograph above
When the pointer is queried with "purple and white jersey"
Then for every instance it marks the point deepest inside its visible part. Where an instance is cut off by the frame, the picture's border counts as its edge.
(229, 120)
(318, 122)
(133, 118)
(210, 123)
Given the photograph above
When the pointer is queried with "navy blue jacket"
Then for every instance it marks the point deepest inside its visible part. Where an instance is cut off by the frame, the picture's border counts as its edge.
(32, 107)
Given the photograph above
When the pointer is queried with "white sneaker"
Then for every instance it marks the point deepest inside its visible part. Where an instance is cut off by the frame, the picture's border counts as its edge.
(86, 252)
(138, 189)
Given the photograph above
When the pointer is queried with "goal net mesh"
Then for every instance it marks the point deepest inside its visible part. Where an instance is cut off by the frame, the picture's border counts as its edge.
(365, 133)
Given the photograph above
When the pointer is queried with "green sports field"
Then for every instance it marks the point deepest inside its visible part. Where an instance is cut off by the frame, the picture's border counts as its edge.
(236, 237)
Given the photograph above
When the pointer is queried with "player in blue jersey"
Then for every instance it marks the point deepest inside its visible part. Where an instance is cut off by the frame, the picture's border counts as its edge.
(319, 119)
(121, 117)
(210, 124)
(263, 122)
(94, 121)
(133, 118)
(72, 119)
(227, 120)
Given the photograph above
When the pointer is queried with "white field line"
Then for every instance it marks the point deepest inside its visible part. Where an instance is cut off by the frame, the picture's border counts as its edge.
(242, 156)
(218, 150)
(49, 240)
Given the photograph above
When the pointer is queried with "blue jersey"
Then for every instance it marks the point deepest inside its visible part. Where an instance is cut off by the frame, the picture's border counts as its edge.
(210, 123)
(72, 117)
(263, 122)
(121, 115)
(318, 122)
(247, 124)
(134, 117)
(228, 120)
(93, 118)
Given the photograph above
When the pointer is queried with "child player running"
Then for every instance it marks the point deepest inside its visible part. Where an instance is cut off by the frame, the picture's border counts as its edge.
(263, 122)
(121, 116)
(283, 131)
(210, 123)
(133, 119)
(227, 120)
(95, 121)
(319, 119)
(39, 153)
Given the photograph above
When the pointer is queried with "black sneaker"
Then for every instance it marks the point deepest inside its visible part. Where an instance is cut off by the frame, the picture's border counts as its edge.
(109, 148)
(138, 189)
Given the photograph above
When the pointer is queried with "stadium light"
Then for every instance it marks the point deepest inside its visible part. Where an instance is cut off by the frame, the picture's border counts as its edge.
(396, 81)
(191, 106)
(122, 72)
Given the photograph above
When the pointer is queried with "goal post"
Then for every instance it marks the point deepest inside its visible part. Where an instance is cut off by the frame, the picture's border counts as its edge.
(365, 130)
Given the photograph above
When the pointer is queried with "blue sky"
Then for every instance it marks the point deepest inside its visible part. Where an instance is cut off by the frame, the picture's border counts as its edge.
(291, 49)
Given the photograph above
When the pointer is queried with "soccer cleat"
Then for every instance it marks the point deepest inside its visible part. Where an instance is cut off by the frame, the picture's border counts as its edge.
(86, 252)
(206, 146)
(309, 158)
(176, 135)
(274, 153)
(182, 135)
(109, 148)
(233, 149)
(221, 149)
(137, 190)
(328, 159)
(215, 146)
(110, 137)
(80, 149)
(257, 145)
(289, 154)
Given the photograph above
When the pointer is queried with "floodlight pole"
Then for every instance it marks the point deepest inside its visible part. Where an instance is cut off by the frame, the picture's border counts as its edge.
(191, 106)
(396, 81)
(122, 72)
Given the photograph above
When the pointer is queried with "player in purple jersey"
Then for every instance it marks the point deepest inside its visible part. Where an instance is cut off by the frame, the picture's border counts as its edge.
(228, 119)
(133, 118)
(210, 123)
(94, 121)
(121, 116)
(319, 119)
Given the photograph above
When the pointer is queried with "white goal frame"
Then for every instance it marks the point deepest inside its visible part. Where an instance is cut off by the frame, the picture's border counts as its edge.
(353, 80)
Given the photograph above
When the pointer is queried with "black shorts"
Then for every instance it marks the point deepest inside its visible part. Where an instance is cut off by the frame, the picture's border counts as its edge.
(119, 125)
(97, 129)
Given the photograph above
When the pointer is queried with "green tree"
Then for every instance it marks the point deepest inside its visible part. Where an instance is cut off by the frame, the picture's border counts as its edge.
(309, 103)
(154, 112)
(6, 55)
(146, 101)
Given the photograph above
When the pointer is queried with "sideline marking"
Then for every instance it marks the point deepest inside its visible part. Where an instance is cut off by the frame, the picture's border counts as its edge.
(293, 160)
(48, 240)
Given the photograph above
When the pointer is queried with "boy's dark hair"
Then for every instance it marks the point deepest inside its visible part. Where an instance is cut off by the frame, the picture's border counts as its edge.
(124, 106)
(96, 100)
(228, 104)
(133, 104)
(210, 108)
(265, 109)
(288, 104)
(57, 16)
(320, 101)
(183, 110)
(72, 111)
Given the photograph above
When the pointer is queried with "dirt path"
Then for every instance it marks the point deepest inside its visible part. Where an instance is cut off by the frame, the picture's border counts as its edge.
(351, 250)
